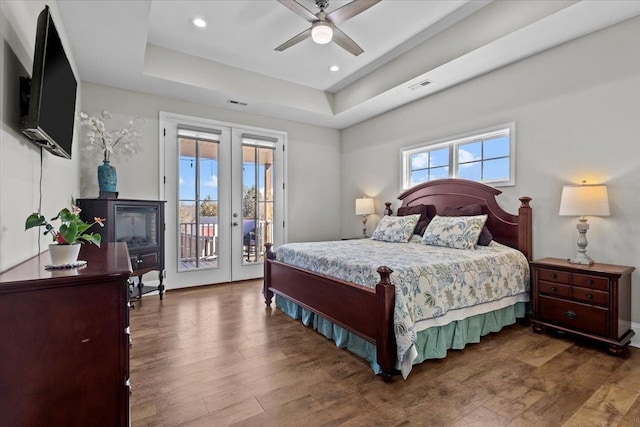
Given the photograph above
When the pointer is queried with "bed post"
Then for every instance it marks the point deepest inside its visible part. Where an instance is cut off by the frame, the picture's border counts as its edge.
(525, 240)
(385, 340)
(266, 284)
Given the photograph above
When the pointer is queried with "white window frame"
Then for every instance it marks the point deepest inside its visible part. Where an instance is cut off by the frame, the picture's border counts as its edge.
(452, 143)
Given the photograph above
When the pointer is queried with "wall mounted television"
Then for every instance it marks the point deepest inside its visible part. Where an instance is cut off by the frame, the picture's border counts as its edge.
(48, 99)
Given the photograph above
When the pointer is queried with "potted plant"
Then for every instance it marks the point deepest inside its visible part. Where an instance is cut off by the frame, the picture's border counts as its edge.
(68, 237)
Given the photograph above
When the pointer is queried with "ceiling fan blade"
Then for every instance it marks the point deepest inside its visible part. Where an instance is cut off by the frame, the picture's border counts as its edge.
(349, 10)
(299, 9)
(345, 42)
(294, 40)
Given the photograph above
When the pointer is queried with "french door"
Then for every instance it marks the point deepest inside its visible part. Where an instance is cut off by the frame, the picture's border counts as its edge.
(224, 187)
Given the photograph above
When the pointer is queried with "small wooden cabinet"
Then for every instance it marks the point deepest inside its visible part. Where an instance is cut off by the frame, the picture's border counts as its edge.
(593, 301)
(64, 347)
(138, 223)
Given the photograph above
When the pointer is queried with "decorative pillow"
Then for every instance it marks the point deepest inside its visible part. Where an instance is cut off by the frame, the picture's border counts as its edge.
(426, 213)
(469, 210)
(397, 229)
(460, 232)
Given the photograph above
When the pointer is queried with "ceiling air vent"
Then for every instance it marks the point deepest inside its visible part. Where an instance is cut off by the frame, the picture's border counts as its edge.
(419, 85)
(234, 102)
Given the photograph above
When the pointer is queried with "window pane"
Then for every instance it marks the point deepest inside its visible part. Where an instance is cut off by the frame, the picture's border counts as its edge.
(419, 176)
(420, 160)
(439, 157)
(497, 147)
(439, 173)
(496, 169)
(470, 171)
(470, 152)
(257, 200)
(187, 169)
(208, 170)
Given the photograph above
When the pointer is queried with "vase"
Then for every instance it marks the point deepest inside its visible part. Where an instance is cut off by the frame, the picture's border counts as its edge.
(107, 177)
(64, 254)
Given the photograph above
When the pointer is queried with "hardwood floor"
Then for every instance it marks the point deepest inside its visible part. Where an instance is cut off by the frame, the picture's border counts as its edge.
(215, 356)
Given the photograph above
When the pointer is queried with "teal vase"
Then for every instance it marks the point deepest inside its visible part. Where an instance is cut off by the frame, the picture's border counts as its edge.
(107, 177)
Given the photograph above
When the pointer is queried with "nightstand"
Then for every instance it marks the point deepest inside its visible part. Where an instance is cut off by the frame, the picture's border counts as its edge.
(592, 301)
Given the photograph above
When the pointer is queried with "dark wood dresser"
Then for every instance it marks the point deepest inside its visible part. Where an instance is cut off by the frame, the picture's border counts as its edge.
(593, 301)
(64, 341)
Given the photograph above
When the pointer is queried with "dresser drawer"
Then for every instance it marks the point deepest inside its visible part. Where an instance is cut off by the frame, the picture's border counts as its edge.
(591, 296)
(554, 276)
(573, 315)
(552, 288)
(587, 281)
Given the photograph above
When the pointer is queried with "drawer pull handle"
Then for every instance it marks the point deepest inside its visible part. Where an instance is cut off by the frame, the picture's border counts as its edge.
(570, 314)
(554, 289)
(554, 276)
(589, 282)
(589, 296)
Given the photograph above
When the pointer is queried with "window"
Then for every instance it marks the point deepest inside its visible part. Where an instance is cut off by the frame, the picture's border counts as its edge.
(487, 156)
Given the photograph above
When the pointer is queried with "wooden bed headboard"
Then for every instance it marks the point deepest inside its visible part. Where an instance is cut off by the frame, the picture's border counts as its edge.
(511, 230)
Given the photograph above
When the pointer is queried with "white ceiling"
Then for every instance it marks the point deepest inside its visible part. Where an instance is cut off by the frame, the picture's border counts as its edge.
(151, 46)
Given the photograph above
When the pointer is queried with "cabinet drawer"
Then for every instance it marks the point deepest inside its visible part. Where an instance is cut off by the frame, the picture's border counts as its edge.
(555, 289)
(553, 276)
(148, 260)
(577, 316)
(591, 296)
(595, 282)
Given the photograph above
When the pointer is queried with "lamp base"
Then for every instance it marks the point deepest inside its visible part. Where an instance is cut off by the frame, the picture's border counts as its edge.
(581, 259)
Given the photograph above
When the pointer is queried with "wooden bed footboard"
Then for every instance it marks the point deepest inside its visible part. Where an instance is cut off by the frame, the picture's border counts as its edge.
(365, 312)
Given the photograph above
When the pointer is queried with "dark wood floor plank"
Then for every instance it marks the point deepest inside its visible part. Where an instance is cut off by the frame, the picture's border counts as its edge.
(215, 356)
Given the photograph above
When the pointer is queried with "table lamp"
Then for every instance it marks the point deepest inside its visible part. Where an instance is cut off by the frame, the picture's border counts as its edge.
(364, 207)
(584, 200)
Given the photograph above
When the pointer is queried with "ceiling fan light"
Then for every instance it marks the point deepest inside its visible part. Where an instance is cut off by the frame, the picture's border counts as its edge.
(321, 33)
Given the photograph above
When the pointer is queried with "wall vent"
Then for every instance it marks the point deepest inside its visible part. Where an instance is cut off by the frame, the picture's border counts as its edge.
(419, 85)
(234, 102)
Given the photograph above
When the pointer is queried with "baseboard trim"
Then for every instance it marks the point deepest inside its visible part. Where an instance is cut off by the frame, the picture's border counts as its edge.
(635, 341)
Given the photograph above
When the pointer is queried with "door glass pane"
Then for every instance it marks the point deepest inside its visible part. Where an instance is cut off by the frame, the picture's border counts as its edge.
(198, 204)
(257, 201)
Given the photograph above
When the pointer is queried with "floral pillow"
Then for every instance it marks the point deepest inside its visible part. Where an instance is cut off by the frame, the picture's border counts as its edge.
(396, 229)
(460, 232)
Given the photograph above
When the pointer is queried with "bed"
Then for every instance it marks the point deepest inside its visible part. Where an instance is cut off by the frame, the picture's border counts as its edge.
(365, 313)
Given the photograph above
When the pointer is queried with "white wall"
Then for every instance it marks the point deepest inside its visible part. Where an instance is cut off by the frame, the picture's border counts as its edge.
(577, 113)
(313, 157)
(19, 158)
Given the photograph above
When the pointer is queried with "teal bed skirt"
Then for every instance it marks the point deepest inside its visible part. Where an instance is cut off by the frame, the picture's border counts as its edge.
(431, 343)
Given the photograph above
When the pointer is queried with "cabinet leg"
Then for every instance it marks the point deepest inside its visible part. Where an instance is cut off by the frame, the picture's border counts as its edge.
(614, 349)
(538, 329)
(161, 285)
(140, 285)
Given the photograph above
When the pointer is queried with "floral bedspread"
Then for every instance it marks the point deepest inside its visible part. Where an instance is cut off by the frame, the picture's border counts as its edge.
(429, 280)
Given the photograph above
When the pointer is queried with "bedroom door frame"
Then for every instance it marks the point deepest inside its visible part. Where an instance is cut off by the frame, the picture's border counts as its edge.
(230, 267)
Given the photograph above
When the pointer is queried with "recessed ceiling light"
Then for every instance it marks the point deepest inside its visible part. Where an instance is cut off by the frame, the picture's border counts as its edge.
(334, 68)
(199, 22)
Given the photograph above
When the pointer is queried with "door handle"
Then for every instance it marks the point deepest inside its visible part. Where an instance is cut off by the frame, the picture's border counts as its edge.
(235, 224)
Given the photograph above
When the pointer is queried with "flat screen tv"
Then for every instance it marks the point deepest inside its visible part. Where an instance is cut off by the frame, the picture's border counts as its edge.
(49, 97)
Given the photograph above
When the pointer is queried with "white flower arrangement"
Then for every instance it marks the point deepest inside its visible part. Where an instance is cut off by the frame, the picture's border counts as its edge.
(126, 140)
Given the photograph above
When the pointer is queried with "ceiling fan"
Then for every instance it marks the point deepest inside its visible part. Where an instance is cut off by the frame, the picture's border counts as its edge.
(323, 25)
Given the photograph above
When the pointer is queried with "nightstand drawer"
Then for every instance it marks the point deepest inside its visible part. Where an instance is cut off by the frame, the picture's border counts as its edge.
(573, 315)
(555, 289)
(591, 296)
(554, 276)
(595, 282)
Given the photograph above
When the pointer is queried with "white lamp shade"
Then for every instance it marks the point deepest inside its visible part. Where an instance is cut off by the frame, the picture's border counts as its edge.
(364, 206)
(584, 200)
(321, 33)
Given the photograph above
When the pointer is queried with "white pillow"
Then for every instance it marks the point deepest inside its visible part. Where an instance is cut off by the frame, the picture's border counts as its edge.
(396, 229)
(460, 232)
